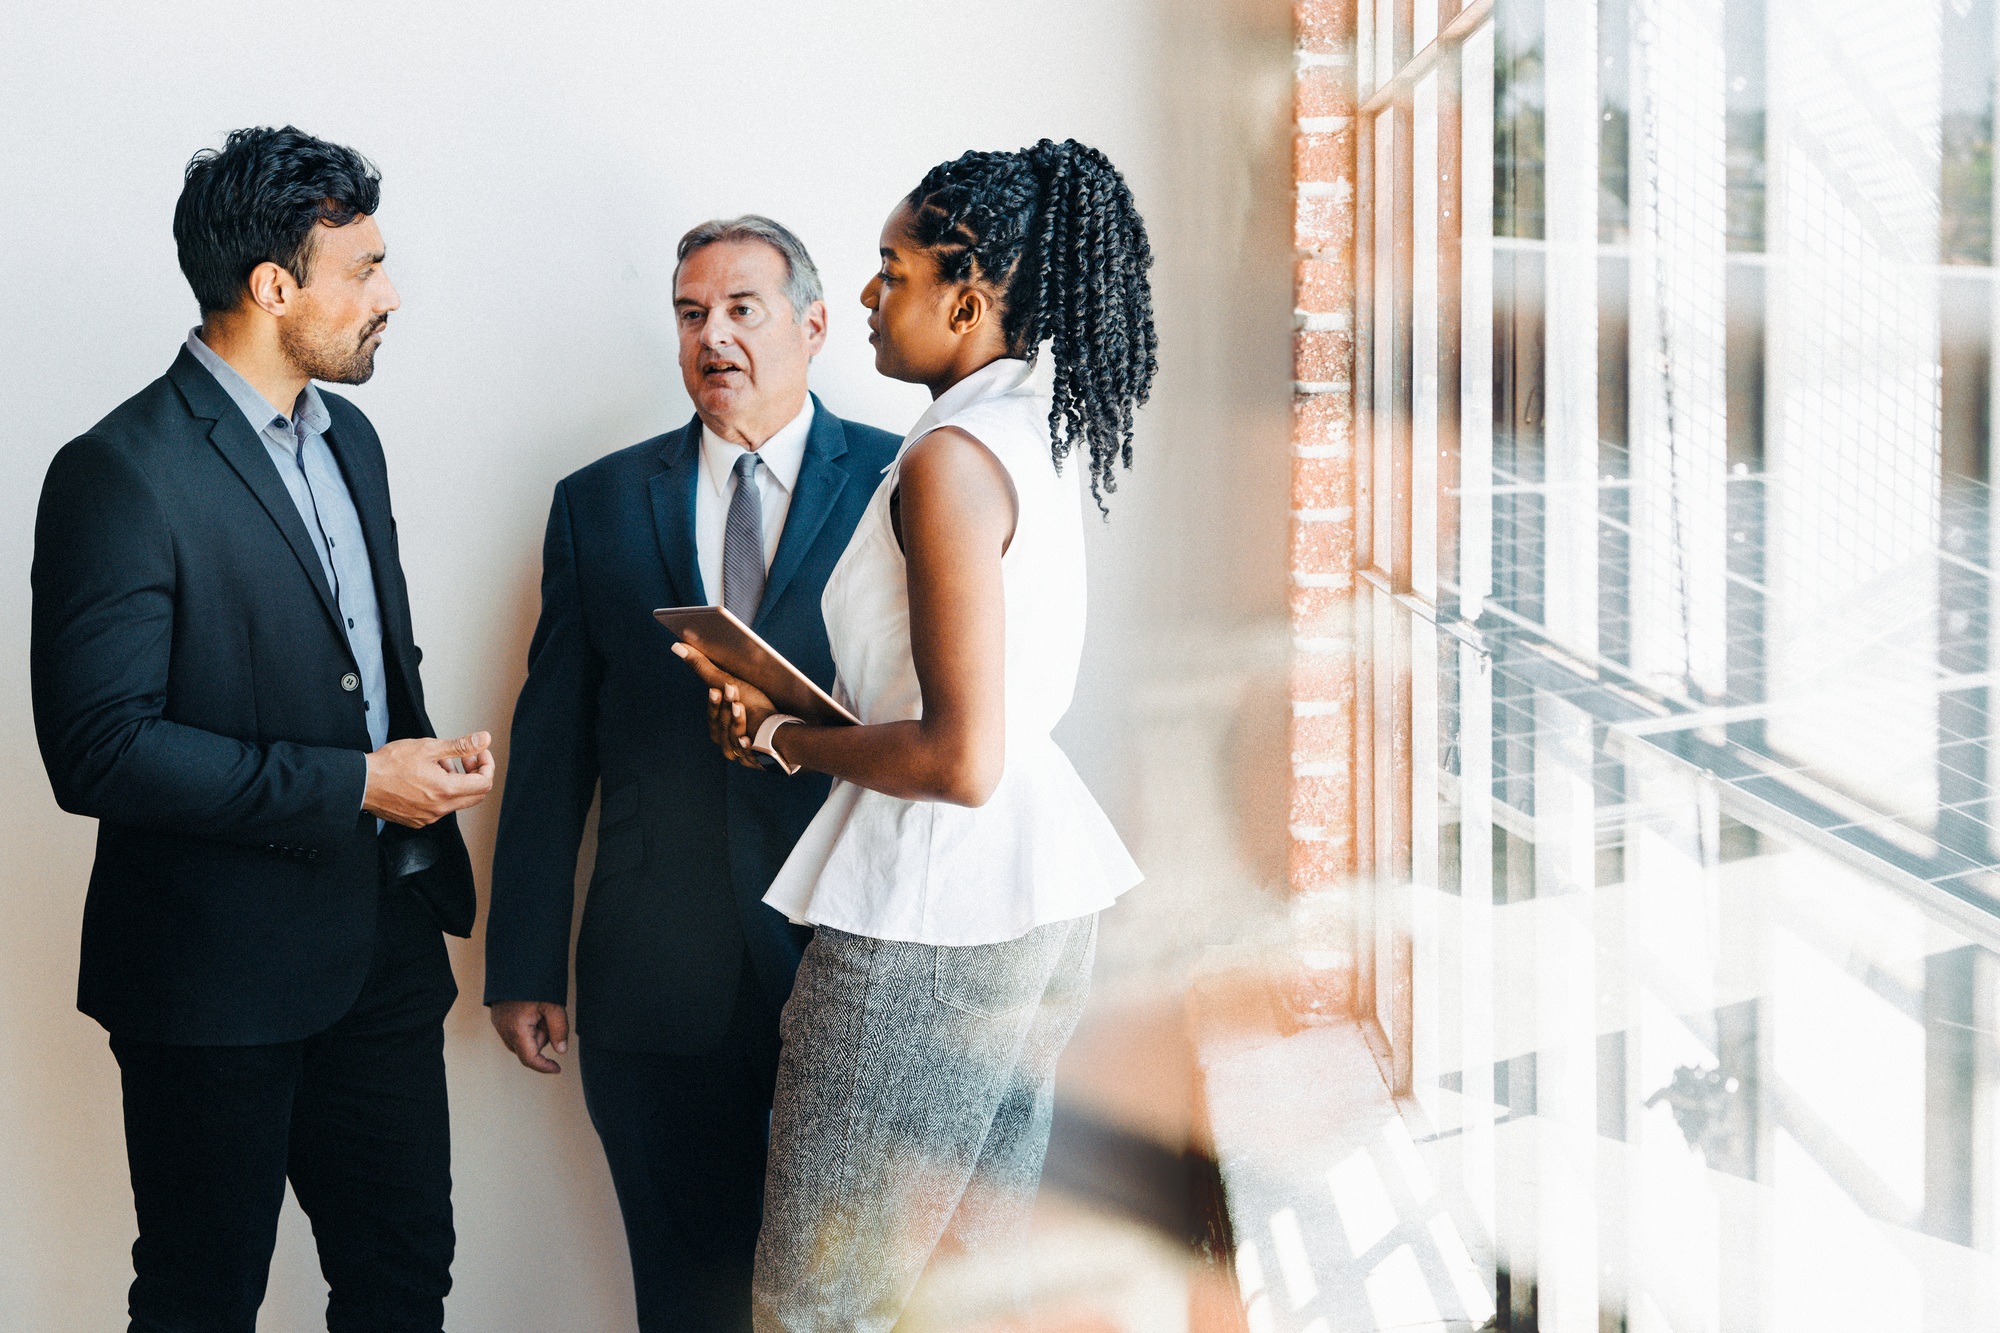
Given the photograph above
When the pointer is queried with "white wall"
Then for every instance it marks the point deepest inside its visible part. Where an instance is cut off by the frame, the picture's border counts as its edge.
(539, 162)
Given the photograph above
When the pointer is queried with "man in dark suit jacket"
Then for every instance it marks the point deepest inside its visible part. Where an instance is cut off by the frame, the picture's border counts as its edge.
(225, 677)
(681, 969)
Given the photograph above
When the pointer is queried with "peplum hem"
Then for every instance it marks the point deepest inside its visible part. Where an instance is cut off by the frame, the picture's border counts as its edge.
(923, 870)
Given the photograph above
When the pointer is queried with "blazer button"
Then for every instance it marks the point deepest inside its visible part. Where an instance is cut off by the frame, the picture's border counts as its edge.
(350, 682)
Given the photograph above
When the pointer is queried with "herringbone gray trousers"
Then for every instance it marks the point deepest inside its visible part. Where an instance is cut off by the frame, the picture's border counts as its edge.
(914, 1094)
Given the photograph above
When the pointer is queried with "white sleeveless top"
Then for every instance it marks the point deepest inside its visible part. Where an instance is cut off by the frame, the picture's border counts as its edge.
(1041, 850)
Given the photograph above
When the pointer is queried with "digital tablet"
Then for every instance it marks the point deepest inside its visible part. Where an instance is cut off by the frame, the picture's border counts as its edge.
(735, 647)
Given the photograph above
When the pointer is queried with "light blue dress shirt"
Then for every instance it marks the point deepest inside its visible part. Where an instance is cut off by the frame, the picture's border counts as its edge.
(298, 447)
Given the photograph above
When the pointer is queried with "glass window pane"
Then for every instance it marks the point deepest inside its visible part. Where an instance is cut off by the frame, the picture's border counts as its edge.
(1681, 809)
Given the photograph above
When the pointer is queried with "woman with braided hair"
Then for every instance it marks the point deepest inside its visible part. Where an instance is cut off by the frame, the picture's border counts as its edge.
(957, 869)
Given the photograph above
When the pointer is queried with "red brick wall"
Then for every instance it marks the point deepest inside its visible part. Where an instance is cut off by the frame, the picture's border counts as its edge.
(1323, 490)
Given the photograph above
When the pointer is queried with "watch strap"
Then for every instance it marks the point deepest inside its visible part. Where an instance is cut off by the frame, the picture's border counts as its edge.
(761, 742)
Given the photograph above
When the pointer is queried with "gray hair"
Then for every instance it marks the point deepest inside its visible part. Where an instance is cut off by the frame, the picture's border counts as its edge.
(802, 286)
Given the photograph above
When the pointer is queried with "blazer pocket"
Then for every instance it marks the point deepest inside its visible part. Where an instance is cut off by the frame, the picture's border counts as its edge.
(621, 836)
(992, 980)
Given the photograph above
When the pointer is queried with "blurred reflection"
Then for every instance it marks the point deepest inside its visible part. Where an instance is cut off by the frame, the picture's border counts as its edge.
(1701, 1099)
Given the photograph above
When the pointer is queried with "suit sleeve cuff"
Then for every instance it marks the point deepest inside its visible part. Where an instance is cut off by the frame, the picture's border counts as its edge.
(360, 781)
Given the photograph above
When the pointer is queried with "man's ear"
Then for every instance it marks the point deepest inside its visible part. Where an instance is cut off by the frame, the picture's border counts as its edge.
(815, 327)
(272, 288)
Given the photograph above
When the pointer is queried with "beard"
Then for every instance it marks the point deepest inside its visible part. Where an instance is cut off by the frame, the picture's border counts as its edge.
(328, 354)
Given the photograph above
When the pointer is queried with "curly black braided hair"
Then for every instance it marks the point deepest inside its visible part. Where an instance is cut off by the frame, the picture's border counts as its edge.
(1054, 229)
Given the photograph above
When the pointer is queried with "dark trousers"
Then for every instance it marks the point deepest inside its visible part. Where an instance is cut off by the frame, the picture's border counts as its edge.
(354, 1117)
(685, 1138)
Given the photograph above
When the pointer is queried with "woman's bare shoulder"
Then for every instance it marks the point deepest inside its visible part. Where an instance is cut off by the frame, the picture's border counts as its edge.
(949, 477)
(952, 458)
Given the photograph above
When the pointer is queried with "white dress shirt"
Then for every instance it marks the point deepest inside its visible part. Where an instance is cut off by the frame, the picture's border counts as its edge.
(783, 454)
(1040, 850)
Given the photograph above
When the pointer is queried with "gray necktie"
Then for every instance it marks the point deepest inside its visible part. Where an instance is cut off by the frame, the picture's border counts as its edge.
(743, 544)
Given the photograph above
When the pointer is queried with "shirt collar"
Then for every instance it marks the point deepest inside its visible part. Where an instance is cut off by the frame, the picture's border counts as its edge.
(992, 379)
(783, 454)
(310, 408)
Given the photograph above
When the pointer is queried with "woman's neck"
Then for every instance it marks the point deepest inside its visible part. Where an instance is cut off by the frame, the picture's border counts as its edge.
(969, 363)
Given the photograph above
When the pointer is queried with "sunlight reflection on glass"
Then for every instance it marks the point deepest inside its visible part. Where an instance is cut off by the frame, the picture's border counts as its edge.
(1366, 1211)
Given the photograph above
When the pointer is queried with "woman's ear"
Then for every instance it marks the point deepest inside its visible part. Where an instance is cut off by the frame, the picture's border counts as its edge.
(970, 308)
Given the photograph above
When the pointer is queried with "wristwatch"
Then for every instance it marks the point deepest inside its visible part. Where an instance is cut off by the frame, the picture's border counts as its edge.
(761, 743)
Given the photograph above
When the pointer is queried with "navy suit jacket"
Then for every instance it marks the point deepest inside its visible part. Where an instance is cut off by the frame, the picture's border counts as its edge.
(687, 842)
(188, 662)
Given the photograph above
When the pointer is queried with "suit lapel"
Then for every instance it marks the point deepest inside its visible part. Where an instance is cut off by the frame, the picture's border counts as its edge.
(673, 513)
(821, 479)
(246, 455)
(368, 488)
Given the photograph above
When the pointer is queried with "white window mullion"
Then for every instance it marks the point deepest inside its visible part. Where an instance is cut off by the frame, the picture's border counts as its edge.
(1423, 890)
(1475, 932)
(1565, 984)
(1475, 325)
(1386, 527)
(1570, 343)
(1424, 349)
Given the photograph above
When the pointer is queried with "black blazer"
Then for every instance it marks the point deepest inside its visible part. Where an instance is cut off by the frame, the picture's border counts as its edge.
(186, 662)
(687, 842)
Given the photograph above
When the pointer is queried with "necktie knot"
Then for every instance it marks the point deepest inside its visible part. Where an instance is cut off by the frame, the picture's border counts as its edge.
(746, 466)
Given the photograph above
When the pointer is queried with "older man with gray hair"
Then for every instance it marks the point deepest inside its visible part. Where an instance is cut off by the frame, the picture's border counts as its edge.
(681, 969)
